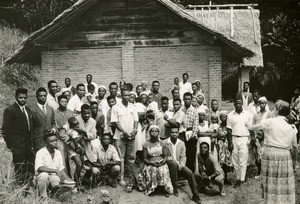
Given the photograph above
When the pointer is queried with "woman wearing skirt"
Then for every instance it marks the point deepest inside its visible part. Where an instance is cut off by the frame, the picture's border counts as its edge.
(277, 166)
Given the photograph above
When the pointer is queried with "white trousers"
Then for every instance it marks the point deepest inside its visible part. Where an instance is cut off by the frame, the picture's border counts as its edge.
(240, 156)
(43, 181)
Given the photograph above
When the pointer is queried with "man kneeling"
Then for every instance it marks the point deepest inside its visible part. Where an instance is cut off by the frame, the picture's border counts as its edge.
(108, 161)
(49, 167)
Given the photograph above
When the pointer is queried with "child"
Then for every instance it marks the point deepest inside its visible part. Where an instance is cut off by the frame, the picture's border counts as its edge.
(152, 105)
(214, 126)
(91, 93)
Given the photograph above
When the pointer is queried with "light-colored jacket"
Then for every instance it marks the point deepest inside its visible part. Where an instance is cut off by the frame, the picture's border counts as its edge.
(180, 156)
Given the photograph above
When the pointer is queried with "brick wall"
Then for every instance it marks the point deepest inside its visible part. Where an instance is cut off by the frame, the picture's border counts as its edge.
(215, 74)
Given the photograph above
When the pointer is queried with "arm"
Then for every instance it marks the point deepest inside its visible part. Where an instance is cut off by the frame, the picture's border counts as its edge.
(216, 171)
(47, 170)
(145, 155)
(230, 145)
(195, 125)
(256, 127)
(204, 134)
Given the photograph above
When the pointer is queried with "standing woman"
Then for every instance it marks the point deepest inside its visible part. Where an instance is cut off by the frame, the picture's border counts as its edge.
(277, 166)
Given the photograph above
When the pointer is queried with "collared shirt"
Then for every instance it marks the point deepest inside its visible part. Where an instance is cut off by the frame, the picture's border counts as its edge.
(125, 116)
(157, 99)
(44, 158)
(51, 101)
(161, 122)
(259, 116)
(185, 87)
(179, 118)
(153, 106)
(110, 154)
(89, 127)
(42, 107)
(278, 132)
(209, 165)
(75, 103)
(61, 117)
(174, 146)
(23, 109)
(254, 108)
(96, 88)
(191, 120)
(237, 123)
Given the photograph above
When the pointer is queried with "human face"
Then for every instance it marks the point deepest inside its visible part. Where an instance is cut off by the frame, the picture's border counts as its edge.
(113, 89)
(67, 94)
(214, 120)
(246, 86)
(92, 90)
(204, 149)
(52, 142)
(194, 102)
(86, 114)
(81, 91)
(67, 82)
(200, 99)
(202, 116)
(144, 98)
(101, 92)
(154, 133)
(223, 117)
(63, 103)
(198, 84)
(111, 102)
(176, 105)
(75, 124)
(176, 93)
(94, 109)
(125, 96)
(174, 133)
(106, 140)
(185, 78)
(122, 85)
(296, 92)
(89, 78)
(42, 97)
(155, 86)
(164, 105)
(53, 88)
(214, 105)
(176, 81)
(131, 98)
(262, 105)
(21, 99)
(139, 89)
(194, 87)
(150, 98)
(144, 86)
(187, 100)
(238, 104)
(255, 97)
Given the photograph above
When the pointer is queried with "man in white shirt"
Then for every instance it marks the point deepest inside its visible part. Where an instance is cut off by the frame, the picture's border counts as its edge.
(77, 100)
(160, 122)
(185, 86)
(238, 136)
(89, 79)
(51, 98)
(49, 167)
(254, 107)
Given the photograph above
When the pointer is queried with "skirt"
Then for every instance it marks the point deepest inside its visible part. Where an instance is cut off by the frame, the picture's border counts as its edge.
(278, 182)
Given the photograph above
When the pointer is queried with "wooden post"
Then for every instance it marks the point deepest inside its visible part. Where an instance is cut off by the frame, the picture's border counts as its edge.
(231, 23)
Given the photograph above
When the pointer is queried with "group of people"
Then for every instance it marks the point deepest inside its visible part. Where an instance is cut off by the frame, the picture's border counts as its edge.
(142, 139)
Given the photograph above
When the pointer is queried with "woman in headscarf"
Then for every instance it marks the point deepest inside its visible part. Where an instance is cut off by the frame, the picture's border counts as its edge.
(278, 180)
(225, 157)
(144, 86)
(156, 171)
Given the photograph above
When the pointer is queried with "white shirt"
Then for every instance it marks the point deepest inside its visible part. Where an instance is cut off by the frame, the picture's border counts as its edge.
(23, 109)
(51, 101)
(110, 154)
(96, 88)
(42, 107)
(185, 87)
(254, 108)
(153, 106)
(237, 123)
(43, 158)
(126, 116)
(278, 132)
(75, 103)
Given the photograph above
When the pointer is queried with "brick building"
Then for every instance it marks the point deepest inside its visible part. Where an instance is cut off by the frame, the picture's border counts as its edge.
(143, 40)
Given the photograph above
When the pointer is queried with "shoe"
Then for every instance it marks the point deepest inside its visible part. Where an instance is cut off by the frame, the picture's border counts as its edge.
(222, 191)
(176, 194)
(167, 194)
(196, 199)
(237, 184)
(122, 182)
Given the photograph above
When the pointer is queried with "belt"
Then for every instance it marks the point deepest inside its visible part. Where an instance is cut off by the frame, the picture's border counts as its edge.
(270, 146)
(240, 136)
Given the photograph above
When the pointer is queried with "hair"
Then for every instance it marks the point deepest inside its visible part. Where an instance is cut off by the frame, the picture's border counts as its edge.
(85, 107)
(90, 87)
(238, 99)
(136, 88)
(247, 82)
(50, 82)
(138, 99)
(89, 75)
(256, 91)
(213, 101)
(110, 97)
(78, 85)
(48, 134)
(194, 83)
(185, 74)
(21, 91)
(173, 90)
(176, 78)
(67, 78)
(173, 125)
(164, 98)
(39, 90)
(150, 114)
(282, 107)
(188, 94)
(71, 120)
(61, 97)
(113, 83)
(155, 81)
(94, 103)
(104, 135)
(176, 99)
(202, 143)
(129, 86)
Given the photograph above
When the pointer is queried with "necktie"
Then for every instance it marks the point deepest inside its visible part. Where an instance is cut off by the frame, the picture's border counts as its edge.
(27, 119)
(44, 110)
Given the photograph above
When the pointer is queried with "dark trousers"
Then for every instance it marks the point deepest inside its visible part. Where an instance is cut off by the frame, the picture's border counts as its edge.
(191, 153)
(185, 172)
(23, 165)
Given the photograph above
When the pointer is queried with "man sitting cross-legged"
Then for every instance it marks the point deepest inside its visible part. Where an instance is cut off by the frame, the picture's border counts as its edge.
(49, 167)
(177, 162)
(108, 161)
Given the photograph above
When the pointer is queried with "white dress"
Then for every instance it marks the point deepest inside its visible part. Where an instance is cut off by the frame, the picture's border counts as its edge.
(140, 137)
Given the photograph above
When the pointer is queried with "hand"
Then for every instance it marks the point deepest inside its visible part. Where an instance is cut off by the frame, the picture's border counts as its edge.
(230, 146)
(204, 176)
(133, 134)
(166, 117)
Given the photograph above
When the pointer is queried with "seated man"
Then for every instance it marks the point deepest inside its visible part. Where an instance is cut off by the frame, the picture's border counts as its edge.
(209, 169)
(108, 161)
(177, 162)
(49, 167)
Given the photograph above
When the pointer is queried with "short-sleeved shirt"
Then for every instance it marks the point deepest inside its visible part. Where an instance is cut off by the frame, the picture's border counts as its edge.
(161, 122)
(52, 102)
(209, 165)
(278, 132)
(125, 116)
(75, 103)
(237, 123)
(185, 87)
(191, 120)
(109, 155)
(44, 158)
(179, 117)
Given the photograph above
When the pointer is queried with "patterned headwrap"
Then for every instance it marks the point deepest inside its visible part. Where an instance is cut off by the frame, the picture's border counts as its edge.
(262, 99)
(103, 87)
(153, 126)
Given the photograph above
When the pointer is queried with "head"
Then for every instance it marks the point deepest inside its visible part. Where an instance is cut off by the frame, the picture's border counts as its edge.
(246, 86)
(113, 89)
(144, 98)
(101, 91)
(174, 132)
(214, 119)
(132, 97)
(41, 95)
(202, 115)
(122, 84)
(194, 87)
(223, 116)
(150, 97)
(262, 102)
(21, 96)
(89, 78)
(91, 88)
(256, 96)
(94, 107)
(185, 77)
(214, 105)
(67, 82)
(194, 102)
(204, 148)
(297, 91)
(164, 103)
(282, 108)
(67, 94)
(73, 122)
(125, 96)
(50, 141)
(176, 104)
(85, 112)
(139, 89)
(175, 93)
(187, 98)
(176, 81)
(111, 101)
(238, 104)
(105, 140)
(80, 90)
(154, 132)
(62, 102)
(52, 87)
(200, 98)
(144, 85)
(198, 84)
(155, 85)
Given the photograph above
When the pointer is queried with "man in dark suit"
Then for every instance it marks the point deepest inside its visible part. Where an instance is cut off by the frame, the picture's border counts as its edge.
(16, 131)
(43, 119)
